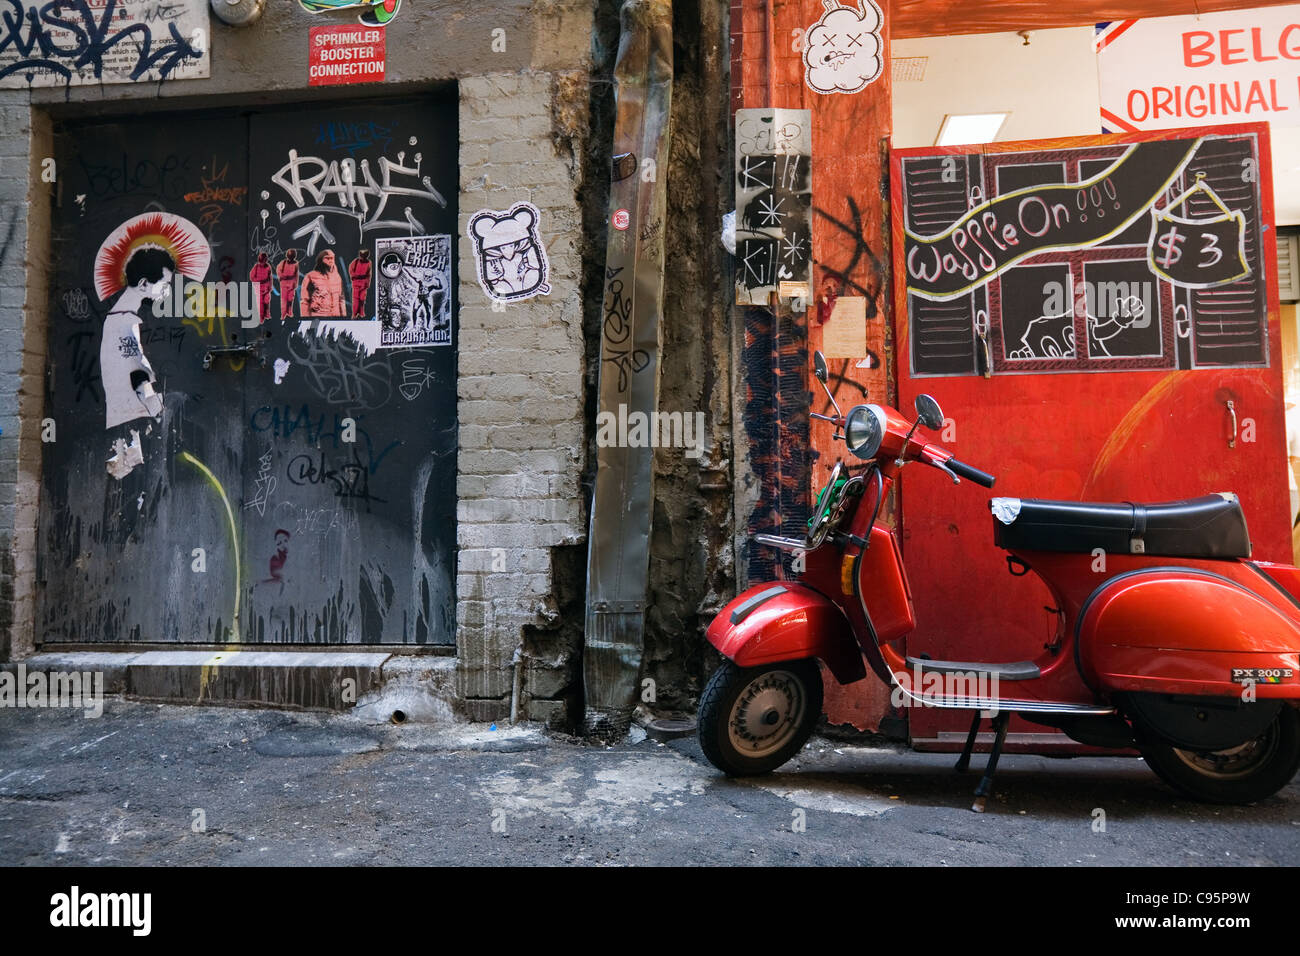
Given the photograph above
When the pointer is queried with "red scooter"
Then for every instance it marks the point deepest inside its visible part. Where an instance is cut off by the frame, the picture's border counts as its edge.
(1184, 649)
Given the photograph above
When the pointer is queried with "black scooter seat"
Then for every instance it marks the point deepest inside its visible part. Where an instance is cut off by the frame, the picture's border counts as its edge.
(1209, 527)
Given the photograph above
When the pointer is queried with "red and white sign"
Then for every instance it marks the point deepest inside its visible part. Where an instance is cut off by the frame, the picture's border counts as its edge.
(622, 219)
(1170, 72)
(351, 54)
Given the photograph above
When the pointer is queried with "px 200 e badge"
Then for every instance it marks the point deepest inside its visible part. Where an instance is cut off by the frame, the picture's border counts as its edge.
(375, 13)
(1261, 675)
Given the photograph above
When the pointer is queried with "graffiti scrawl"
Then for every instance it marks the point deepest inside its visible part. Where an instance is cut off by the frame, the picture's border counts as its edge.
(510, 259)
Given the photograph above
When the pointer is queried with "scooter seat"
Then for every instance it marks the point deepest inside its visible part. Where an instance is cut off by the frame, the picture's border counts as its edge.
(1209, 527)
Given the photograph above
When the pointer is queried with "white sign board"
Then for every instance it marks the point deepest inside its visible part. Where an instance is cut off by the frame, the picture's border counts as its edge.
(74, 42)
(1169, 72)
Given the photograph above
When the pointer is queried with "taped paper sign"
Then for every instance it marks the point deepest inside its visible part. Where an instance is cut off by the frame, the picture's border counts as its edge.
(845, 333)
(45, 43)
(413, 296)
(509, 255)
(841, 52)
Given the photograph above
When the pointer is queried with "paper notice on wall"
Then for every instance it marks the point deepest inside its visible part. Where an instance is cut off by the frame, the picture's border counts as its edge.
(102, 41)
(845, 333)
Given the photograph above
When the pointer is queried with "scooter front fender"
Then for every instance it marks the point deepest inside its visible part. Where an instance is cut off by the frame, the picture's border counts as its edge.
(784, 621)
(1178, 630)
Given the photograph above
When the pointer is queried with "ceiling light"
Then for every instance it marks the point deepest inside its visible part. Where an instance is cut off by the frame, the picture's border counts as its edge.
(960, 129)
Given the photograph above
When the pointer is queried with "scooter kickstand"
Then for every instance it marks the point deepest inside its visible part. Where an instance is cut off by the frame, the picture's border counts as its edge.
(963, 762)
(986, 782)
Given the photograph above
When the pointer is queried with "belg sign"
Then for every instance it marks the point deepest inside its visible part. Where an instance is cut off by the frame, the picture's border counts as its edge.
(1171, 72)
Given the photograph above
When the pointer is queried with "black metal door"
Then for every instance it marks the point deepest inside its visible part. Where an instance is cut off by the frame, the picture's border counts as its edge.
(291, 477)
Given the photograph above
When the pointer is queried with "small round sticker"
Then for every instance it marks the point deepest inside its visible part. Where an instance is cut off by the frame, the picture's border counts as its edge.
(622, 220)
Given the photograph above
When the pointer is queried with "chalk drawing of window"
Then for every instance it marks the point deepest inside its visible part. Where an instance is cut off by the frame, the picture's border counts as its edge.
(1037, 313)
(1122, 305)
(939, 192)
(1228, 322)
(1024, 175)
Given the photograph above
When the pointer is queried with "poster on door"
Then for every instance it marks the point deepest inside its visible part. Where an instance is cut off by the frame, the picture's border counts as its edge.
(102, 41)
(1086, 255)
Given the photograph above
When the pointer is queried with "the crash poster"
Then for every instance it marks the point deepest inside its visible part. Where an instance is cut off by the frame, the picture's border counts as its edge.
(413, 293)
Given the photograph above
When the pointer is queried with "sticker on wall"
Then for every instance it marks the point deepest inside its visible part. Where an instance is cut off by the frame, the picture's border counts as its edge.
(374, 13)
(413, 291)
(137, 263)
(511, 261)
(841, 51)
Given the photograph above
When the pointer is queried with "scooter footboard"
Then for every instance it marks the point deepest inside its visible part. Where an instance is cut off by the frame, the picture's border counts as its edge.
(784, 621)
(1186, 631)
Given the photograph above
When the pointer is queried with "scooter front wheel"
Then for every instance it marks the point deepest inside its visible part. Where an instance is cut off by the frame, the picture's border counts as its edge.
(1248, 772)
(753, 719)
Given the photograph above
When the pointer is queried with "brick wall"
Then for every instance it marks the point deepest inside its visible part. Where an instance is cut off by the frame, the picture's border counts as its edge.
(520, 393)
(24, 222)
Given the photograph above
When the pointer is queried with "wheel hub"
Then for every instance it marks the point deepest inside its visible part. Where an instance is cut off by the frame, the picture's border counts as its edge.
(767, 713)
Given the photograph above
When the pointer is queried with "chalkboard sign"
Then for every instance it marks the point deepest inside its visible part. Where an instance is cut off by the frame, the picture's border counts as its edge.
(1092, 254)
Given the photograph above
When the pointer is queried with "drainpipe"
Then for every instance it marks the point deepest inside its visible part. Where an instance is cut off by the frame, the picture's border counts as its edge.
(618, 555)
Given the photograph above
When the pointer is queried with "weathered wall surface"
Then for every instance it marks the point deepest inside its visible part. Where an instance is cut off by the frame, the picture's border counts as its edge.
(521, 70)
(692, 573)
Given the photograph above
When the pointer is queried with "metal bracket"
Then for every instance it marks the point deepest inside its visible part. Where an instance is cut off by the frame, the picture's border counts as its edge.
(252, 350)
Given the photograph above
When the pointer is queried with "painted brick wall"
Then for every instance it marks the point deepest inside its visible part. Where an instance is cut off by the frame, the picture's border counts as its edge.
(520, 390)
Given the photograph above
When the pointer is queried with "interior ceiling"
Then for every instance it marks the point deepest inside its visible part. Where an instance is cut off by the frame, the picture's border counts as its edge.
(928, 18)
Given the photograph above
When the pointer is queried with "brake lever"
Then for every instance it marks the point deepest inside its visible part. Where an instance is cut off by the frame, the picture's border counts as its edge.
(943, 466)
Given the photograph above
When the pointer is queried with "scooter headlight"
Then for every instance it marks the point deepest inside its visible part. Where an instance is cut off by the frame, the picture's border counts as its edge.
(864, 430)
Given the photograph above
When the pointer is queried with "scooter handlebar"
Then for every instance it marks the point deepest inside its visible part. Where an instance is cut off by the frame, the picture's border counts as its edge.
(970, 473)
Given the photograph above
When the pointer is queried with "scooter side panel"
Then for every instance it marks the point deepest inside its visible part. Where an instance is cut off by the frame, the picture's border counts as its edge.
(1182, 631)
(792, 625)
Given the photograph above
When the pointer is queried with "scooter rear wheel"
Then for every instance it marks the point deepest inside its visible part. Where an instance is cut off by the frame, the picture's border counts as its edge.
(1248, 772)
(753, 719)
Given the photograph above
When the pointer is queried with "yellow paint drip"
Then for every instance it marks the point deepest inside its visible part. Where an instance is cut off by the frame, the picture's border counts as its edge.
(234, 541)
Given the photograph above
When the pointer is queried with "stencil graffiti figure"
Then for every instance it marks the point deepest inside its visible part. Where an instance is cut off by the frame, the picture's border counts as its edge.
(841, 52)
(511, 261)
(281, 555)
(138, 260)
(322, 290)
(413, 298)
(359, 272)
(260, 276)
(287, 273)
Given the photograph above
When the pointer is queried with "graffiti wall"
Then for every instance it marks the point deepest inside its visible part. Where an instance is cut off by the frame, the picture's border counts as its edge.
(251, 379)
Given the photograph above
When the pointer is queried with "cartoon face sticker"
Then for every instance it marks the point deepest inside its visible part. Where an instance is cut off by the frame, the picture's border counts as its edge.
(511, 261)
(841, 52)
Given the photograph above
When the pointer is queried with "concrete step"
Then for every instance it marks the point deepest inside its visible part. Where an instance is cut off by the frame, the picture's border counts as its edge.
(420, 687)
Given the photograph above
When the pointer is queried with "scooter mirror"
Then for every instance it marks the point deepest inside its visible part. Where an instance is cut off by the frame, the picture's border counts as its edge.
(928, 411)
(819, 367)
